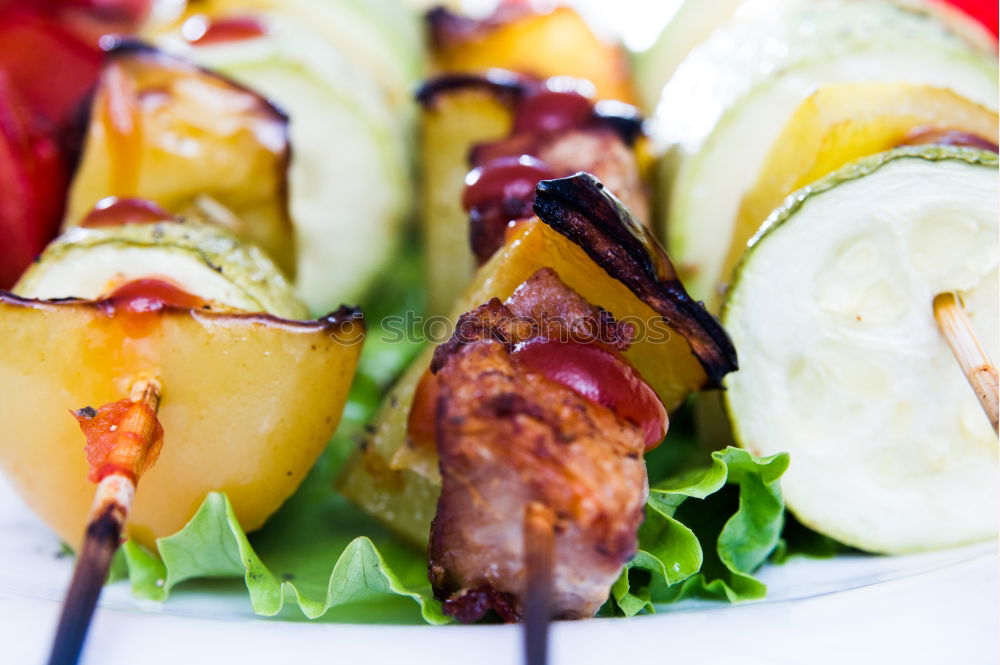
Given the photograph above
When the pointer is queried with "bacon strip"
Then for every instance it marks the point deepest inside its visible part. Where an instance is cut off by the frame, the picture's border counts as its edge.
(508, 439)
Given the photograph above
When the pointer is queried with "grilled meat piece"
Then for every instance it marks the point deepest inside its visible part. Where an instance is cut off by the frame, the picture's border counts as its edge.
(506, 438)
(541, 307)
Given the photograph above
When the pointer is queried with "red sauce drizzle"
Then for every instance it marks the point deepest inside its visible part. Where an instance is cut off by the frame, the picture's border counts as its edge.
(134, 305)
(504, 179)
(114, 211)
(547, 110)
(142, 296)
(498, 193)
(202, 31)
(501, 189)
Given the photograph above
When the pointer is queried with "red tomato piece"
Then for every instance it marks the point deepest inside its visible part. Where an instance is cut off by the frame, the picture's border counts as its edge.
(55, 85)
(202, 31)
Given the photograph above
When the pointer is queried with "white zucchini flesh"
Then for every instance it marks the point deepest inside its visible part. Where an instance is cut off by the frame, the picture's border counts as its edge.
(383, 38)
(201, 259)
(731, 98)
(692, 22)
(348, 190)
(842, 364)
(92, 272)
(766, 37)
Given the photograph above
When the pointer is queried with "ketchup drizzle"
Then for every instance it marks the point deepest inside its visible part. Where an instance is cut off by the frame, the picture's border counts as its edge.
(501, 188)
(203, 31)
(114, 211)
(147, 295)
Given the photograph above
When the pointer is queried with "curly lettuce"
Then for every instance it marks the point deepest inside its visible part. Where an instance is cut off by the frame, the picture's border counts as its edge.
(706, 532)
(298, 569)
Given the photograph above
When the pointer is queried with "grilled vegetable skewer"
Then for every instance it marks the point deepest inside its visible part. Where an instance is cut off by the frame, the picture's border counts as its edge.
(514, 131)
(536, 412)
(680, 348)
(723, 113)
(183, 306)
(980, 372)
(533, 409)
(124, 445)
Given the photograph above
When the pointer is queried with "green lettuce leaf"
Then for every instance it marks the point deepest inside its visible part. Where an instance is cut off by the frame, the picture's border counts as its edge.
(212, 545)
(311, 556)
(736, 504)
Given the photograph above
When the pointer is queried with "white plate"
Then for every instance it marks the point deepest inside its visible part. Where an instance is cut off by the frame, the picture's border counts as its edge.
(929, 608)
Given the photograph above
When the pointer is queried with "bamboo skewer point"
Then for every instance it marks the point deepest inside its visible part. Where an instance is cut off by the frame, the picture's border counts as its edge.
(138, 434)
(979, 371)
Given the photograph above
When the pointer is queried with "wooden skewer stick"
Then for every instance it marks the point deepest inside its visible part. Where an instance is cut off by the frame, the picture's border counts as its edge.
(539, 546)
(979, 371)
(136, 444)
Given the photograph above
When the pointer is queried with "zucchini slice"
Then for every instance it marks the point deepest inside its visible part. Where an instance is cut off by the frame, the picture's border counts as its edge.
(203, 259)
(842, 364)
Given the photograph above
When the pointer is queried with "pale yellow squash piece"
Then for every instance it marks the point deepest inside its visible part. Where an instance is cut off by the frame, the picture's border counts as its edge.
(249, 403)
(191, 141)
(452, 122)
